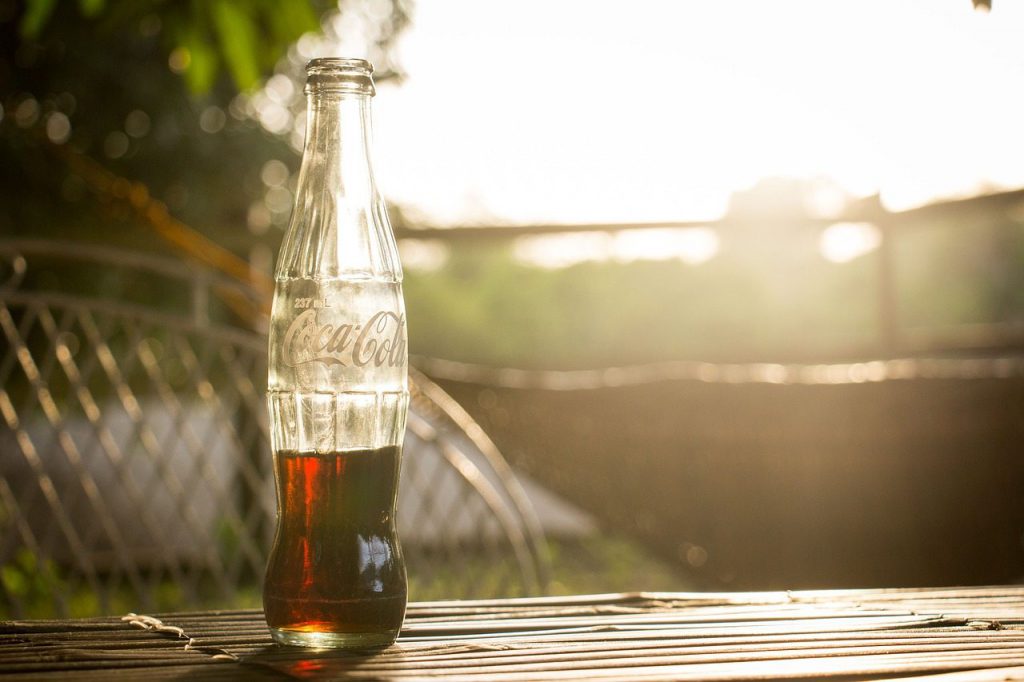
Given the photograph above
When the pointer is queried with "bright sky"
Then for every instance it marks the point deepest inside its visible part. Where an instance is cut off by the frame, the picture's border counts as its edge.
(577, 111)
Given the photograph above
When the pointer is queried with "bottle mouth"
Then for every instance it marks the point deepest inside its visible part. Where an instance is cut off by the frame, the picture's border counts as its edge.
(334, 74)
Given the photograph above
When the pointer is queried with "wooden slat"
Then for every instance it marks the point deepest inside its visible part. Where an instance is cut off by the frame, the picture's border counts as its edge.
(972, 634)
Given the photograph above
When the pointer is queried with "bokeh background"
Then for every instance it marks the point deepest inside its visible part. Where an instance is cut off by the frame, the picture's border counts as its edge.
(740, 283)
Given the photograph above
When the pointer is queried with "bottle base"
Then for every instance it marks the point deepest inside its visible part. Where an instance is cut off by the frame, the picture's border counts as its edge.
(333, 640)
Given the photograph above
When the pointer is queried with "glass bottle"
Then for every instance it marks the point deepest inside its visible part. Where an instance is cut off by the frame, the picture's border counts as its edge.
(338, 385)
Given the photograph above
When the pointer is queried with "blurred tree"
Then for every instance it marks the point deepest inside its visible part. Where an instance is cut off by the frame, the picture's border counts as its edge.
(247, 37)
(160, 93)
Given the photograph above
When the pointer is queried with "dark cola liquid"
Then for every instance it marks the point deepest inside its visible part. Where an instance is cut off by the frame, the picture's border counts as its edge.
(336, 575)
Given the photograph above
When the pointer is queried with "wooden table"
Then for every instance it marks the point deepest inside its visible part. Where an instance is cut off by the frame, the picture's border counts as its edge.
(852, 634)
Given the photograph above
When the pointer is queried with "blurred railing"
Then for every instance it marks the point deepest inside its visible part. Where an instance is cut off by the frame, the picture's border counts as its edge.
(872, 371)
(135, 469)
(892, 462)
(894, 340)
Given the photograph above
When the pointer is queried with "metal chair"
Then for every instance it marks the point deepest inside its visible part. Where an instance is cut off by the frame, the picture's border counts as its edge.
(135, 468)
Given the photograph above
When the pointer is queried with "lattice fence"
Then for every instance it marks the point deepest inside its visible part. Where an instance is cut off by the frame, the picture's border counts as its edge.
(135, 468)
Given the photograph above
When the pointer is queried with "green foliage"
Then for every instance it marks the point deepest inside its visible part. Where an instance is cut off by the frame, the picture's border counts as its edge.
(485, 307)
(236, 32)
(601, 563)
(245, 37)
(30, 581)
(610, 563)
(200, 57)
(103, 72)
(954, 274)
(91, 8)
(768, 295)
(37, 12)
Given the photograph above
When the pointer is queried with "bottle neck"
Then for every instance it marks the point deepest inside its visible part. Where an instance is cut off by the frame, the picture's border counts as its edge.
(337, 150)
(339, 226)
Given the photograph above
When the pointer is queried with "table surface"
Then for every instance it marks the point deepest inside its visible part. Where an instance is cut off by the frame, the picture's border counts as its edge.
(948, 634)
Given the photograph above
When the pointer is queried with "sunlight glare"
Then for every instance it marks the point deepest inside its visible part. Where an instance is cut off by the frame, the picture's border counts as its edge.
(843, 242)
(423, 255)
(910, 99)
(500, 118)
(692, 245)
(562, 250)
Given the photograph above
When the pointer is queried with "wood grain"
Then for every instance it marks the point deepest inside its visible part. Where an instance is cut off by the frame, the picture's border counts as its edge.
(957, 635)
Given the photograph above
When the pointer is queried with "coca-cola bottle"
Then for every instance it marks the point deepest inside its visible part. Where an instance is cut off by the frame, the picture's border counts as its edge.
(338, 385)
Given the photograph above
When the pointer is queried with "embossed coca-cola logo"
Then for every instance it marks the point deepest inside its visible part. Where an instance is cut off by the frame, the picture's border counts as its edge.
(377, 342)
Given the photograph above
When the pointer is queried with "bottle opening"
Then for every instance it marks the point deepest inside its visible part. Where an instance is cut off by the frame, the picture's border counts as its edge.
(335, 74)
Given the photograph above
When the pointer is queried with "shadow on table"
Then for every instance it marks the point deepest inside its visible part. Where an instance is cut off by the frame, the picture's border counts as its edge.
(275, 663)
(279, 663)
